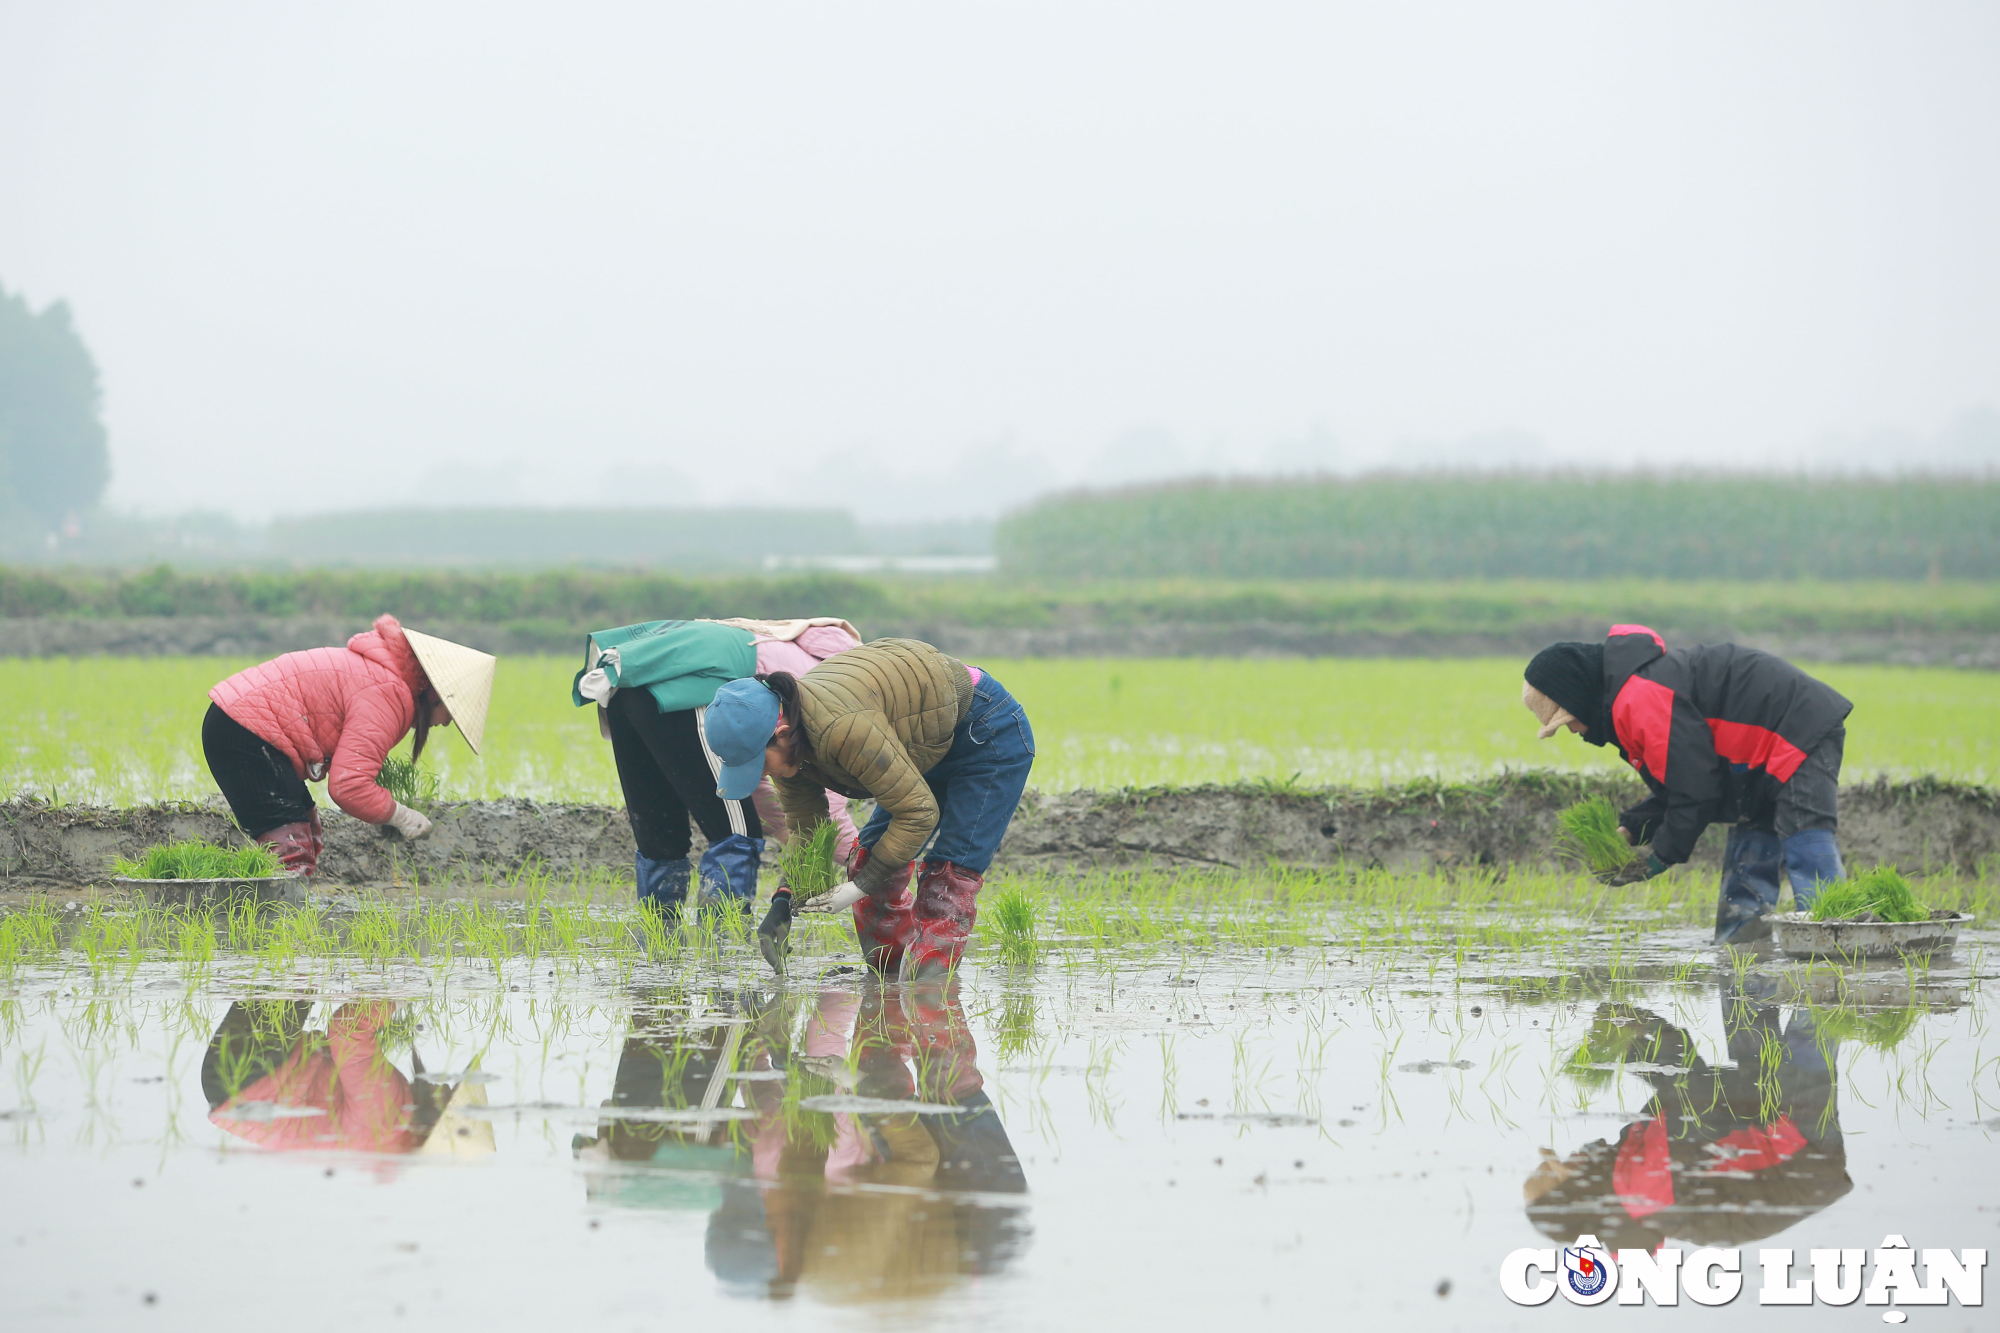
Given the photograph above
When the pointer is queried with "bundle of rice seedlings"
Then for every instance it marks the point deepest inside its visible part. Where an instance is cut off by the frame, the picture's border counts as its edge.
(195, 859)
(806, 865)
(1883, 1029)
(1587, 833)
(1875, 895)
(1618, 1034)
(407, 781)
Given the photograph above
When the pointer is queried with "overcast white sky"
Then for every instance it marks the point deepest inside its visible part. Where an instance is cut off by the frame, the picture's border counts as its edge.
(930, 258)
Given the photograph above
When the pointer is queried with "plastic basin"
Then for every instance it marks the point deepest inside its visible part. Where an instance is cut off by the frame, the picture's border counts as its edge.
(286, 888)
(1801, 937)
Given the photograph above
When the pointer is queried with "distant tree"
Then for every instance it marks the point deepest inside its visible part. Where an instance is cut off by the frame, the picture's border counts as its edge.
(53, 458)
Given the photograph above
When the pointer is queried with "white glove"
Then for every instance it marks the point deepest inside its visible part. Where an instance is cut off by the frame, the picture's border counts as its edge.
(409, 823)
(837, 899)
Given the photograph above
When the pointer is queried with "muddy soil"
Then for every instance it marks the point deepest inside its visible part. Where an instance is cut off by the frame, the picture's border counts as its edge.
(1917, 827)
(75, 844)
(1922, 827)
(266, 636)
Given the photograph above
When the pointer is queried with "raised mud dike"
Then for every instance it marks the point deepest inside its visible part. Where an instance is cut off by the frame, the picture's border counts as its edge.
(1919, 827)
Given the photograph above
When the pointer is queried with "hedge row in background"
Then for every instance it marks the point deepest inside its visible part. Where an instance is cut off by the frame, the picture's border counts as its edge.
(563, 601)
(572, 597)
(1557, 526)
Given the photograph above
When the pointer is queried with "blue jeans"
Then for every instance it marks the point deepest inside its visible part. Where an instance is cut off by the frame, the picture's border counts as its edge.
(1799, 845)
(1752, 862)
(978, 783)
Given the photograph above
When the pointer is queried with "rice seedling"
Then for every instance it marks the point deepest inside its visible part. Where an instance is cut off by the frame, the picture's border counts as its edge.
(193, 858)
(1587, 833)
(1880, 894)
(806, 864)
(409, 782)
(28, 934)
(1605, 1048)
(1882, 1030)
(1010, 923)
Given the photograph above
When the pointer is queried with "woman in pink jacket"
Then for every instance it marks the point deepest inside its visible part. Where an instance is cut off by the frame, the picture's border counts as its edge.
(334, 714)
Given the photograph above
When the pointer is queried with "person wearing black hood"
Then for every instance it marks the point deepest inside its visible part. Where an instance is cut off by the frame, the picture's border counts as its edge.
(1719, 733)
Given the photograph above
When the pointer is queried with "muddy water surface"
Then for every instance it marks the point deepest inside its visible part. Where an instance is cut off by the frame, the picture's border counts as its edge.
(1300, 1139)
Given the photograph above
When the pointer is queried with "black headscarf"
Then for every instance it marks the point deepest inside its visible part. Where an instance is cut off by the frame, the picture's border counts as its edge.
(1572, 674)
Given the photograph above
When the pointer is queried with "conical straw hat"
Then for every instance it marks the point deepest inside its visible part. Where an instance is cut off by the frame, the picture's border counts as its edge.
(457, 1134)
(463, 678)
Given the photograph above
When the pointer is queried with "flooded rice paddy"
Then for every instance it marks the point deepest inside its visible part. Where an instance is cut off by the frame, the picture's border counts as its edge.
(1302, 1101)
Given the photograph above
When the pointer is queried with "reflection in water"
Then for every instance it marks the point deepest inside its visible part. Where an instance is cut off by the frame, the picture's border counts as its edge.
(1724, 1155)
(272, 1081)
(850, 1205)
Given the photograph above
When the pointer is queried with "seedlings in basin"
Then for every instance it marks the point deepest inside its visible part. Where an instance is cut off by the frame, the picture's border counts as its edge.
(194, 858)
(1875, 895)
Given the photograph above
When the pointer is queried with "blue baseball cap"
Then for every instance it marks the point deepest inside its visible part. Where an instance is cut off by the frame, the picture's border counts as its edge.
(739, 724)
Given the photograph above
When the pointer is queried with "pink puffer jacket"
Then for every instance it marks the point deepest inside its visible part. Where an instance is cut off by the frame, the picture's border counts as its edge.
(335, 712)
(799, 656)
(366, 1100)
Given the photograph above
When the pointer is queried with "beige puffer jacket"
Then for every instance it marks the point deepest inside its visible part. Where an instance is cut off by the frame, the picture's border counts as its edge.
(878, 718)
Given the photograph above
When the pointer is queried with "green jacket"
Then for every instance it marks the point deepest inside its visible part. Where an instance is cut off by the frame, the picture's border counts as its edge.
(878, 718)
(683, 662)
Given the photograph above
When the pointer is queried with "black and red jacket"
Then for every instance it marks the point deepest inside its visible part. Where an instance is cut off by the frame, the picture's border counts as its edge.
(1726, 1152)
(1714, 730)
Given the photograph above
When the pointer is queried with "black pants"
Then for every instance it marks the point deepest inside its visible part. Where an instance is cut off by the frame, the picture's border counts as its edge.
(255, 776)
(668, 774)
(254, 1039)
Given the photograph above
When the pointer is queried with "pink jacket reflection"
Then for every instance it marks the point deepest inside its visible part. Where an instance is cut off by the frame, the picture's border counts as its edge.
(363, 1101)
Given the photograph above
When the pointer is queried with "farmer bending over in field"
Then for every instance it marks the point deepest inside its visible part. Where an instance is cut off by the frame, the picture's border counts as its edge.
(335, 713)
(652, 684)
(1721, 733)
(942, 748)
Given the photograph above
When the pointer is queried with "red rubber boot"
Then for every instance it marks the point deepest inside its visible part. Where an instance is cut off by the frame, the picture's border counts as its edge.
(947, 1058)
(946, 909)
(297, 844)
(883, 924)
(882, 1048)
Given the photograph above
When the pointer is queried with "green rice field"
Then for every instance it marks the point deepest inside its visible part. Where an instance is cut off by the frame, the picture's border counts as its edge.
(123, 730)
